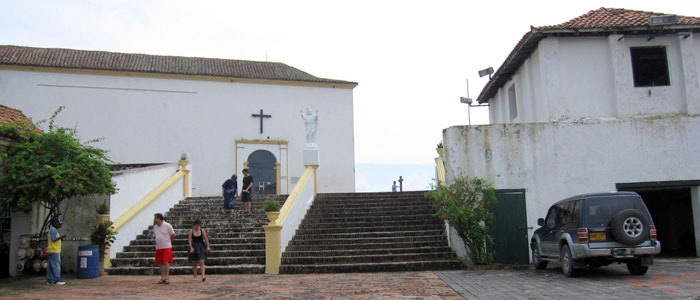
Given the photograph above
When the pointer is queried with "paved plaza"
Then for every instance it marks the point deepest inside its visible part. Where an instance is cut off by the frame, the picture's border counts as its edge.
(405, 285)
(667, 279)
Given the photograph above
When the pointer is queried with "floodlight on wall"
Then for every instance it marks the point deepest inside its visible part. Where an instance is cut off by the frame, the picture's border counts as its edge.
(487, 71)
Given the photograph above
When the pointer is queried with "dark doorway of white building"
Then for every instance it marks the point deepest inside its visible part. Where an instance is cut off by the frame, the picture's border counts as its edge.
(670, 205)
(261, 165)
(509, 229)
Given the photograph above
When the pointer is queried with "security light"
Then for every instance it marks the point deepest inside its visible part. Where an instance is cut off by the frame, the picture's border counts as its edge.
(487, 71)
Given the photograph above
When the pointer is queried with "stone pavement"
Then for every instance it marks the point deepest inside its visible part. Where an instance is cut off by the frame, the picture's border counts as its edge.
(667, 279)
(404, 285)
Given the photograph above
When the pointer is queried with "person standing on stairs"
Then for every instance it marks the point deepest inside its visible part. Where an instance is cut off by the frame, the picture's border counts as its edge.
(199, 247)
(246, 198)
(164, 234)
(229, 190)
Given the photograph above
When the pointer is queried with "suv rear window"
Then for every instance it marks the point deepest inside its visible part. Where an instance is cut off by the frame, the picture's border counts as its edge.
(600, 211)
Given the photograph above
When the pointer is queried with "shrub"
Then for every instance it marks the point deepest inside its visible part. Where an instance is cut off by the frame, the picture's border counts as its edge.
(271, 205)
(103, 235)
(465, 205)
(102, 209)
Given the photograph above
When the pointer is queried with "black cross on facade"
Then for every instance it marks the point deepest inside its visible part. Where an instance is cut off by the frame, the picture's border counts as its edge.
(261, 116)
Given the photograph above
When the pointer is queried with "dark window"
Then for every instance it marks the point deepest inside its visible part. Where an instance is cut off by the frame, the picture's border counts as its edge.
(650, 66)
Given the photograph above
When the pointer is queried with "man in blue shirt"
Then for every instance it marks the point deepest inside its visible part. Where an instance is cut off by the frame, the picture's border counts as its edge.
(393, 187)
(229, 190)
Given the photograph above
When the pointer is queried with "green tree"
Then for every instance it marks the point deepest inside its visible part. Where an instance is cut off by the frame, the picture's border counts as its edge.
(49, 167)
(465, 205)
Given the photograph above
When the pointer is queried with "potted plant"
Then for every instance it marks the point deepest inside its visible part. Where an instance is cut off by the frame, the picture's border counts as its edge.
(102, 212)
(103, 235)
(439, 149)
(271, 207)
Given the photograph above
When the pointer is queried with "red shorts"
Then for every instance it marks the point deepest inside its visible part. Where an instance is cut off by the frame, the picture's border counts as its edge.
(164, 255)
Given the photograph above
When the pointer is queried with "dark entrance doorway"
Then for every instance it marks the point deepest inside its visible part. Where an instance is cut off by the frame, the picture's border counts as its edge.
(261, 165)
(509, 230)
(672, 211)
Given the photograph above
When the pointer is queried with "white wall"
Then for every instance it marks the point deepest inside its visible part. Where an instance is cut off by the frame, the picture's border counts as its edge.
(569, 78)
(133, 186)
(552, 161)
(155, 120)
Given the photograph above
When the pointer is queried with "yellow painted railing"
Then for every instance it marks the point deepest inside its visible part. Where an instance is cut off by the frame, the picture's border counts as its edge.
(273, 255)
(182, 172)
(440, 169)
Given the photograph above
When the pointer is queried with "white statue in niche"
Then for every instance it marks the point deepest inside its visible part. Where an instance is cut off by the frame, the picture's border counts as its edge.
(311, 124)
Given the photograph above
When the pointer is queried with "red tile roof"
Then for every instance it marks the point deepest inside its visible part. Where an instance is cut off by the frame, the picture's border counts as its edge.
(602, 21)
(615, 17)
(8, 114)
(158, 64)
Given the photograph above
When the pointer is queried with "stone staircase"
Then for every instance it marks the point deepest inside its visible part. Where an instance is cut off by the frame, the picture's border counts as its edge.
(237, 242)
(369, 232)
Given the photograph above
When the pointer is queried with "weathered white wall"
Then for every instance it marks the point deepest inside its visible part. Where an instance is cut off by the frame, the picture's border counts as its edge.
(155, 120)
(552, 161)
(296, 213)
(569, 78)
(133, 186)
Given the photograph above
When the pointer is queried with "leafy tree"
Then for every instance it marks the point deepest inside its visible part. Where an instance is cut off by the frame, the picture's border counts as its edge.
(465, 205)
(48, 167)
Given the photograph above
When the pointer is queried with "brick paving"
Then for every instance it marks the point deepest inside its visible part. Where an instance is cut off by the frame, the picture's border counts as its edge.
(667, 279)
(404, 285)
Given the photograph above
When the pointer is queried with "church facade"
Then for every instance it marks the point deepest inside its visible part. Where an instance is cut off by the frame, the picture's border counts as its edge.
(224, 114)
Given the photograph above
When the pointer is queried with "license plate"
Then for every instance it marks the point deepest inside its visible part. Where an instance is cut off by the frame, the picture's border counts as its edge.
(598, 236)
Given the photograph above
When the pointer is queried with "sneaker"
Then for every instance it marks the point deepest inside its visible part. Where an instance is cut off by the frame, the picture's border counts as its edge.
(60, 283)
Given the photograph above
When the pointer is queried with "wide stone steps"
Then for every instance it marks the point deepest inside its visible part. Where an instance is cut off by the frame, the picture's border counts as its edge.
(212, 241)
(213, 253)
(369, 232)
(376, 240)
(346, 252)
(237, 242)
(450, 264)
(187, 270)
(312, 230)
(182, 261)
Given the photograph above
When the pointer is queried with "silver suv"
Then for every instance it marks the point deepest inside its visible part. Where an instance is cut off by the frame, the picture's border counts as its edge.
(596, 230)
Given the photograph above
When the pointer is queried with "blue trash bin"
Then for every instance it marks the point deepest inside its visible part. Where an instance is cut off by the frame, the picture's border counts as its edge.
(88, 261)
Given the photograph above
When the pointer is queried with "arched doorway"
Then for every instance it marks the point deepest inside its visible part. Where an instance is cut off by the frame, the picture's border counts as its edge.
(261, 165)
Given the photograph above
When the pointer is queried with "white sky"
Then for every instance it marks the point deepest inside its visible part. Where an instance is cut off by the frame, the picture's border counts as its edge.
(411, 58)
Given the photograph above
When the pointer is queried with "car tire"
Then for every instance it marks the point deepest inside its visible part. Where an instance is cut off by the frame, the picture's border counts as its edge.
(567, 262)
(635, 267)
(536, 259)
(630, 227)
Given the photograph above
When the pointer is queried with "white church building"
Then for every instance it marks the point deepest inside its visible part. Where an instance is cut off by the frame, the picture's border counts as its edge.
(225, 114)
(608, 101)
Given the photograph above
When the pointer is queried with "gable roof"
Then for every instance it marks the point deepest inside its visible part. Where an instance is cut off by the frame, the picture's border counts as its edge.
(155, 64)
(8, 114)
(602, 21)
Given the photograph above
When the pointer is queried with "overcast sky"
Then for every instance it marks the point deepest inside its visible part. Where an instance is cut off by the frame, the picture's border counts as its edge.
(411, 58)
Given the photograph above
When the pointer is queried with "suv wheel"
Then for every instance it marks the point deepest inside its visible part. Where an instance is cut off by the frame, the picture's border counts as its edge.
(635, 267)
(567, 262)
(630, 227)
(536, 259)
